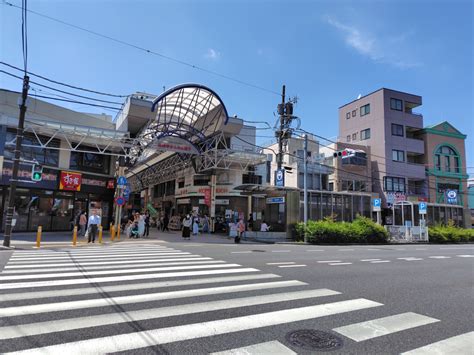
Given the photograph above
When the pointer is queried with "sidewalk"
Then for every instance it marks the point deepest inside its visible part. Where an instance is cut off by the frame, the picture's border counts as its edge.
(64, 239)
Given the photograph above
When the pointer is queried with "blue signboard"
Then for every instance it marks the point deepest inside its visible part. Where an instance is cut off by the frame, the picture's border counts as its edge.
(121, 181)
(451, 197)
(422, 207)
(275, 200)
(377, 204)
(280, 178)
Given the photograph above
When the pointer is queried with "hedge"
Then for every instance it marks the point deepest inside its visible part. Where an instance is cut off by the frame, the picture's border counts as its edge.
(361, 230)
(450, 234)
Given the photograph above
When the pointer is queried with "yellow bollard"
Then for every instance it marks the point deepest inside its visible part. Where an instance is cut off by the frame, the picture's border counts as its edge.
(118, 232)
(100, 234)
(38, 236)
(74, 236)
(112, 232)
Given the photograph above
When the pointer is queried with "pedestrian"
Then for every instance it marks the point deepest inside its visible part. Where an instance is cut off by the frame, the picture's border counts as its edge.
(240, 231)
(82, 224)
(250, 222)
(146, 233)
(94, 222)
(195, 225)
(166, 221)
(140, 221)
(264, 227)
(205, 224)
(187, 221)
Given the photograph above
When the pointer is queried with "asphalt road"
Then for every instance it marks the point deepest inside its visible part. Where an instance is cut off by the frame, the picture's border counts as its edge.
(197, 297)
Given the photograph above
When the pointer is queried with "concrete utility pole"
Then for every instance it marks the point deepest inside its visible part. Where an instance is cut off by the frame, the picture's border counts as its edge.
(16, 163)
(305, 183)
(281, 112)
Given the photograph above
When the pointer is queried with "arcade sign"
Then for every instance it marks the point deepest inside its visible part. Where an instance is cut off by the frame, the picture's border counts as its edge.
(174, 144)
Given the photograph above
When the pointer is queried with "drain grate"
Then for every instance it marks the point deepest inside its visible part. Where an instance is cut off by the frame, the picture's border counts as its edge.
(311, 339)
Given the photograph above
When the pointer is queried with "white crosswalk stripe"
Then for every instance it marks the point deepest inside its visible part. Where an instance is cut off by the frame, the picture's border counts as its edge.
(457, 345)
(43, 293)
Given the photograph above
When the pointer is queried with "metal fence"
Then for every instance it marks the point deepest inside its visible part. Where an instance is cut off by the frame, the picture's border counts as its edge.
(404, 234)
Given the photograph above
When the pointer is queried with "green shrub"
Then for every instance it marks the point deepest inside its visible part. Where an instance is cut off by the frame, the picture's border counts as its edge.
(361, 230)
(450, 234)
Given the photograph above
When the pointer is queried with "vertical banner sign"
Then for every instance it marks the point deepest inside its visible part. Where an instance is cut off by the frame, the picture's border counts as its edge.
(280, 178)
(207, 197)
(70, 181)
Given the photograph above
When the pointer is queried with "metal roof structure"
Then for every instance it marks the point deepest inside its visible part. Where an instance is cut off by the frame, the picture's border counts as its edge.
(188, 113)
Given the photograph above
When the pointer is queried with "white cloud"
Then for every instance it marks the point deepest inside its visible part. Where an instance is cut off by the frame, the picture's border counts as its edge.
(212, 54)
(379, 49)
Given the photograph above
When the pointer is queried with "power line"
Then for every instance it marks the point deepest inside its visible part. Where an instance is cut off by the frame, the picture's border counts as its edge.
(149, 51)
(61, 91)
(64, 84)
(78, 102)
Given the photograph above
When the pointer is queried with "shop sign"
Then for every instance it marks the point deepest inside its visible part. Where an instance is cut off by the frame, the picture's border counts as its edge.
(183, 201)
(280, 177)
(451, 197)
(395, 197)
(207, 197)
(93, 182)
(70, 181)
(271, 200)
(25, 174)
(174, 144)
(222, 202)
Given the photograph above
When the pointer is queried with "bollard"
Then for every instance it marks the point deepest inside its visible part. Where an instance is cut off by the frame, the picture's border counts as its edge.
(112, 232)
(74, 236)
(100, 234)
(38, 236)
(118, 232)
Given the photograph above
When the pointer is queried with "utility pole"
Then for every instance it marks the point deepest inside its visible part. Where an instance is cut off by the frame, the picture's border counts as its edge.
(16, 163)
(305, 183)
(280, 133)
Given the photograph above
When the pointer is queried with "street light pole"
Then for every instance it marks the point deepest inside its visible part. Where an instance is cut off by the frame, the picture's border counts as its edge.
(16, 163)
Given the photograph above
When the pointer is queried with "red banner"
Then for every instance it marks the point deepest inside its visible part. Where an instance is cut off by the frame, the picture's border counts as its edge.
(207, 197)
(70, 181)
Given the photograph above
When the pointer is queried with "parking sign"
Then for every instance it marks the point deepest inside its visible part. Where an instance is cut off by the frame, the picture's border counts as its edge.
(422, 207)
(377, 204)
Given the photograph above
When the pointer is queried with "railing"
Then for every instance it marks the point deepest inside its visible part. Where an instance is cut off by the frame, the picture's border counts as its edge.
(404, 234)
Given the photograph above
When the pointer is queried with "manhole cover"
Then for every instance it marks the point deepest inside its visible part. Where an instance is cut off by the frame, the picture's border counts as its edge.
(311, 339)
(258, 251)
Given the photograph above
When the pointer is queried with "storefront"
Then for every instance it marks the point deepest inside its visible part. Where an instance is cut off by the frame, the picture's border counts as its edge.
(52, 204)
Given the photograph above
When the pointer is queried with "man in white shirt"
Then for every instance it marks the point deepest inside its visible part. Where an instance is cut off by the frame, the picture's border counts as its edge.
(94, 222)
(264, 227)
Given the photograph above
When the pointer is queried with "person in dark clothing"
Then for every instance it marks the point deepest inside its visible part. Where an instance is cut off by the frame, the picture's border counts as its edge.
(146, 232)
(250, 222)
(166, 221)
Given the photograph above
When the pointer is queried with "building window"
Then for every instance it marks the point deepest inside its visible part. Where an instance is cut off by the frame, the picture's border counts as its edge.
(394, 184)
(97, 163)
(354, 136)
(450, 157)
(348, 115)
(365, 134)
(398, 155)
(365, 110)
(396, 104)
(201, 180)
(397, 130)
(251, 179)
(31, 149)
(180, 184)
(354, 112)
(348, 138)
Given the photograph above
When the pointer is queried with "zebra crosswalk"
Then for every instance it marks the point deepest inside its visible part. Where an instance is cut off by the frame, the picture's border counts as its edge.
(66, 301)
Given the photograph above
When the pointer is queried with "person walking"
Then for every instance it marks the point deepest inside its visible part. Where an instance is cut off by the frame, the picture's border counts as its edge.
(187, 221)
(166, 221)
(196, 225)
(240, 231)
(146, 233)
(94, 222)
(82, 224)
(250, 222)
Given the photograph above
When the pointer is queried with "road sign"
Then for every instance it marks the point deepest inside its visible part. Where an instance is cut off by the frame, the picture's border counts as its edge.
(120, 201)
(280, 178)
(422, 207)
(121, 182)
(271, 200)
(377, 204)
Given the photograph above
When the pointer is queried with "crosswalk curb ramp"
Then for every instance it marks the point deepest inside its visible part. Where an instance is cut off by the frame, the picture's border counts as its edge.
(63, 301)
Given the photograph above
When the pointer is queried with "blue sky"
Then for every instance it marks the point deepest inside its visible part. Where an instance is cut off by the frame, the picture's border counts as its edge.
(326, 52)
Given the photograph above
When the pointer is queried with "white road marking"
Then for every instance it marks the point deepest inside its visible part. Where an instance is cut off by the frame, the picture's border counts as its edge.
(315, 250)
(383, 326)
(281, 251)
(410, 259)
(113, 301)
(345, 249)
(298, 265)
(379, 261)
(51, 283)
(370, 259)
(329, 261)
(420, 249)
(102, 250)
(400, 248)
(241, 252)
(374, 249)
(334, 264)
(111, 272)
(269, 347)
(282, 263)
(81, 267)
(128, 287)
(128, 261)
(457, 345)
(465, 256)
(60, 325)
(98, 256)
(147, 338)
(439, 257)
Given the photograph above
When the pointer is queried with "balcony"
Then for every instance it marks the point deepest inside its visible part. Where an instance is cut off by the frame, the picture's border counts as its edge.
(417, 188)
(415, 158)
